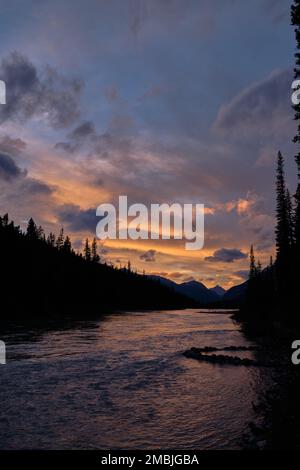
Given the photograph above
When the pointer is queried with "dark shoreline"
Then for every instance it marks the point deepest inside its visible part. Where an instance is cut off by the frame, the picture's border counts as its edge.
(277, 408)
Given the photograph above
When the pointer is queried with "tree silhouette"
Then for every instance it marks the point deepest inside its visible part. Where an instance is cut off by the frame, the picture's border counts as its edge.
(60, 239)
(87, 250)
(283, 229)
(252, 272)
(67, 246)
(57, 279)
(95, 256)
(295, 20)
(51, 239)
(32, 231)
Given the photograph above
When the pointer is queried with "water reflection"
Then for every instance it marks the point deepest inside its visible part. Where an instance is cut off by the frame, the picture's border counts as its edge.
(122, 382)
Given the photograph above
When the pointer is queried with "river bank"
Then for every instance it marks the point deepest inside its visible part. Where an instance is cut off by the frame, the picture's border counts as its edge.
(278, 406)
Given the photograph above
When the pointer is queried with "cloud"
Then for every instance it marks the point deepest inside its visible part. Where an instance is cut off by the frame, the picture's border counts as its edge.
(84, 133)
(84, 138)
(34, 94)
(260, 106)
(8, 168)
(243, 274)
(148, 256)
(34, 186)
(77, 219)
(226, 255)
(188, 279)
(21, 195)
(10, 171)
(11, 145)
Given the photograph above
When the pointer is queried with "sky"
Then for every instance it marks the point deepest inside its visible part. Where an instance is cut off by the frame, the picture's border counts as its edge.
(164, 101)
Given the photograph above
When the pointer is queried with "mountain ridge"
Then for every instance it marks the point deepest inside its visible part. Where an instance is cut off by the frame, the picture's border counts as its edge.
(197, 291)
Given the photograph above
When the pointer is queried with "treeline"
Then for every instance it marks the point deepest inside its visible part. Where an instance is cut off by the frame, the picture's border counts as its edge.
(273, 292)
(44, 275)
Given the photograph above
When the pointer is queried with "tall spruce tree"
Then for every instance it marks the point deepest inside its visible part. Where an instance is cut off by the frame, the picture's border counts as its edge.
(295, 19)
(87, 250)
(290, 218)
(95, 256)
(32, 230)
(283, 229)
(60, 239)
(51, 239)
(67, 246)
(252, 272)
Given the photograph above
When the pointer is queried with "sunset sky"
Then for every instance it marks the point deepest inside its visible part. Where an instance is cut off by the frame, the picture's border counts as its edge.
(161, 100)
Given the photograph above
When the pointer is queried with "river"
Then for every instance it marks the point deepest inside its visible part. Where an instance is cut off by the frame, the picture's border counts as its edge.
(122, 382)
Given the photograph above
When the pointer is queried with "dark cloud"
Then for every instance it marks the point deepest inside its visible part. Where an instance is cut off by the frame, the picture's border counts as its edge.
(243, 274)
(226, 255)
(148, 255)
(66, 147)
(84, 138)
(43, 94)
(10, 171)
(78, 219)
(83, 131)
(11, 145)
(34, 186)
(260, 105)
(8, 168)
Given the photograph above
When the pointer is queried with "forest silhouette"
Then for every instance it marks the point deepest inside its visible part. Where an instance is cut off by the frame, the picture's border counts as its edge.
(44, 275)
(272, 293)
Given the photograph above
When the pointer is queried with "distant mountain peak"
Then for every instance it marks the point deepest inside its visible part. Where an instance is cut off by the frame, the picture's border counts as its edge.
(218, 290)
(194, 283)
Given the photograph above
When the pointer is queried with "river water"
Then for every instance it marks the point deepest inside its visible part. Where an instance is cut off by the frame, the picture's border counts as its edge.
(122, 382)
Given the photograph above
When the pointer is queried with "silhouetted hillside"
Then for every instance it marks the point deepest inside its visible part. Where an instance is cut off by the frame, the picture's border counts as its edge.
(45, 276)
(236, 294)
(195, 290)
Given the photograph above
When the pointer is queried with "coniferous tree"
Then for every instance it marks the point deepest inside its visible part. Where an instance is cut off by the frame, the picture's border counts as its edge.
(251, 296)
(67, 246)
(5, 220)
(46, 266)
(290, 219)
(32, 230)
(51, 239)
(95, 256)
(60, 239)
(258, 269)
(252, 273)
(282, 227)
(295, 19)
(40, 233)
(284, 232)
(87, 250)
